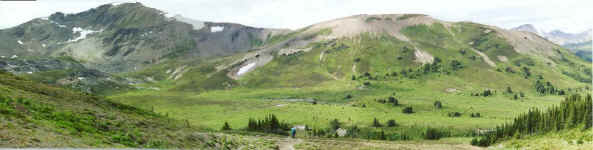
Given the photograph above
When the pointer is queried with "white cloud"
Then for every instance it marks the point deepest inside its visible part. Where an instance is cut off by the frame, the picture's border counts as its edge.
(569, 15)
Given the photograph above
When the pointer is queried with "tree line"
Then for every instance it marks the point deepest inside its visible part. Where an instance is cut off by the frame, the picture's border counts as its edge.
(573, 112)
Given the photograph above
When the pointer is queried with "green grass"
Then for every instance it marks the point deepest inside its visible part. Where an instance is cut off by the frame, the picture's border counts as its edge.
(212, 109)
(208, 98)
(38, 115)
(324, 74)
(573, 139)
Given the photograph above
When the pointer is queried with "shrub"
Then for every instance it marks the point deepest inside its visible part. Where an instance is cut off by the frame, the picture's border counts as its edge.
(487, 93)
(391, 123)
(376, 123)
(454, 114)
(348, 96)
(438, 104)
(226, 126)
(432, 134)
(382, 135)
(367, 74)
(366, 83)
(335, 124)
(474, 142)
(408, 110)
(391, 99)
(475, 115)
(456, 65)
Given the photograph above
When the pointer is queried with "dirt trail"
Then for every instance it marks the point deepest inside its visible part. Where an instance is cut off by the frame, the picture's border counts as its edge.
(288, 143)
(485, 57)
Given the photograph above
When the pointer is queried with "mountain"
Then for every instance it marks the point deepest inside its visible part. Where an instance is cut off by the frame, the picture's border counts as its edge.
(127, 37)
(564, 38)
(431, 75)
(529, 28)
(357, 63)
(579, 43)
(557, 36)
(124, 38)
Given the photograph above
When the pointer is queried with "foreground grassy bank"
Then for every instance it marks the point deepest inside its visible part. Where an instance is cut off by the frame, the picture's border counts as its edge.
(37, 115)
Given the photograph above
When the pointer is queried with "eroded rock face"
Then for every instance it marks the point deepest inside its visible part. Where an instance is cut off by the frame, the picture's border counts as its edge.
(385, 23)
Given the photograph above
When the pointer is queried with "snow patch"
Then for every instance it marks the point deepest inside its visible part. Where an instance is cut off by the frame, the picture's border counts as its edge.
(118, 3)
(59, 25)
(44, 18)
(245, 68)
(167, 14)
(80, 78)
(83, 33)
(20, 42)
(216, 28)
(13, 56)
(43, 45)
(29, 72)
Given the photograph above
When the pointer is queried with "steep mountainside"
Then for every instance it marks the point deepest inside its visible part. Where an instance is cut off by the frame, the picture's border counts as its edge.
(126, 37)
(120, 38)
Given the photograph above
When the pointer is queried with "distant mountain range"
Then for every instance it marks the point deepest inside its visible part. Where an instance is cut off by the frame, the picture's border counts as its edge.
(580, 43)
(557, 36)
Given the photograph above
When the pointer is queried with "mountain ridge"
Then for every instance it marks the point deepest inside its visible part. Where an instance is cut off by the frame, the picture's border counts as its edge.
(558, 36)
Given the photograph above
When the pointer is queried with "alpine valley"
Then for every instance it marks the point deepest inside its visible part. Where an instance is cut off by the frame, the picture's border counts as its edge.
(127, 75)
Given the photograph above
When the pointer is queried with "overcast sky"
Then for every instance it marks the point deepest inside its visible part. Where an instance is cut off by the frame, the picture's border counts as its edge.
(567, 15)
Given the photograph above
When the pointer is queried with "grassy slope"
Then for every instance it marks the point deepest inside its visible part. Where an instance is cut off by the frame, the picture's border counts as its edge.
(582, 50)
(573, 139)
(37, 115)
(327, 78)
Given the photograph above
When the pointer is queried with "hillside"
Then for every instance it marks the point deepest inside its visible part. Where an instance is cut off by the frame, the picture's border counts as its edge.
(37, 115)
(572, 115)
(582, 50)
(353, 69)
(579, 43)
(394, 77)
